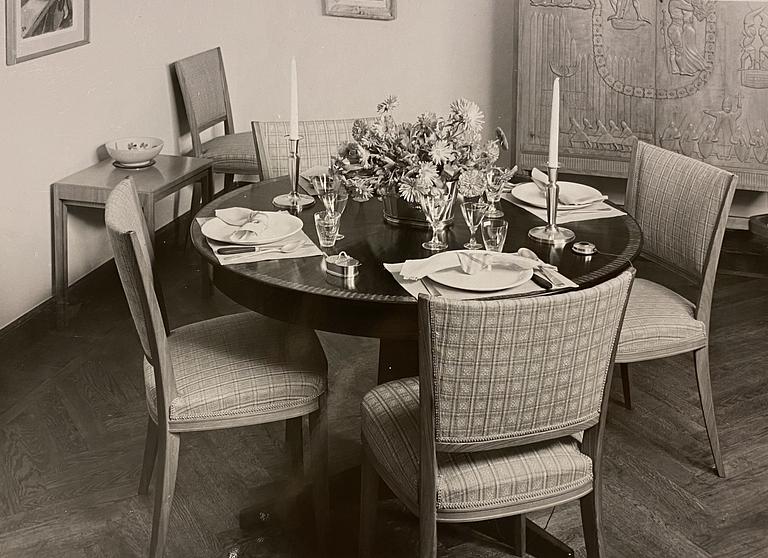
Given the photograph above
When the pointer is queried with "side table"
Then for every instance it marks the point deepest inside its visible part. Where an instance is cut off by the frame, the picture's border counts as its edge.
(91, 187)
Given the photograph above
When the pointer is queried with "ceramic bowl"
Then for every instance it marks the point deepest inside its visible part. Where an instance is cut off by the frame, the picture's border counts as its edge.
(138, 151)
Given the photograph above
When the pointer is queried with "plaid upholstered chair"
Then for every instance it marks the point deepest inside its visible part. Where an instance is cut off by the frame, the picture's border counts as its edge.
(230, 371)
(681, 205)
(487, 429)
(203, 85)
(321, 141)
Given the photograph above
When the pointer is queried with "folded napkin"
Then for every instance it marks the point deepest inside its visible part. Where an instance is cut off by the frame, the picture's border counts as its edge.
(416, 269)
(239, 216)
(539, 178)
(570, 197)
(306, 250)
(599, 210)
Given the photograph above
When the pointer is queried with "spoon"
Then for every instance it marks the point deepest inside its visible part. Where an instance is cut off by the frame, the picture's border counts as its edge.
(544, 277)
(286, 248)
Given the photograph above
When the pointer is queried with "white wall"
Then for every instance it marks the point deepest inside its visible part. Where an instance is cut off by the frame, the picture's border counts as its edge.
(58, 110)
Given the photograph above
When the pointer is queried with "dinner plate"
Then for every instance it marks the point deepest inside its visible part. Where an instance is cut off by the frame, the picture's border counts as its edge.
(281, 225)
(530, 194)
(500, 276)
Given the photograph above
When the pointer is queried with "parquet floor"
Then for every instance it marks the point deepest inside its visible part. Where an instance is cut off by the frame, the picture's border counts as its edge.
(72, 420)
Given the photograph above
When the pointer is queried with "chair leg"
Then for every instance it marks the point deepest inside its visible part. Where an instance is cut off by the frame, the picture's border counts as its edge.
(626, 384)
(518, 535)
(150, 453)
(592, 522)
(427, 529)
(318, 442)
(294, 443)
(369, 498)
(701, 363)
(229, 182)
(194, 206)
(164, 488)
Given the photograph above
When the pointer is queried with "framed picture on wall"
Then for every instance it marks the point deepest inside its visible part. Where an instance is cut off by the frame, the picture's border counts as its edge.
(366, 9)
(34, 28)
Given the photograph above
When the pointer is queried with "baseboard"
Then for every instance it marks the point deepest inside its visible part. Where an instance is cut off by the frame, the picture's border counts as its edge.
(44, 312)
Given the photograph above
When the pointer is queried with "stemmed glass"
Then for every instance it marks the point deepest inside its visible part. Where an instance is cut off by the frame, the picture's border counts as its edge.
(473, 214)
(434, 206)
(493, 191)
(334, 196)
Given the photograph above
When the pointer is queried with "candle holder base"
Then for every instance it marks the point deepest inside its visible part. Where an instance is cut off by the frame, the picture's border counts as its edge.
(290, 200)
(551, 234)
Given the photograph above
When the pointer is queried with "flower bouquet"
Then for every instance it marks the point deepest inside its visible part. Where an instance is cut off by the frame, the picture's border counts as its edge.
(424, 163)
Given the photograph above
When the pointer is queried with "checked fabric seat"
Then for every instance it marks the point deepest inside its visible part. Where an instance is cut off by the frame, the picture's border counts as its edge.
(490, 427)
(681, 205)
(237, 370)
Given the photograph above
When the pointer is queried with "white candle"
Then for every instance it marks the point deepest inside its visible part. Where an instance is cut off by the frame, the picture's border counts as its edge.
(554, 122)
(293, 132)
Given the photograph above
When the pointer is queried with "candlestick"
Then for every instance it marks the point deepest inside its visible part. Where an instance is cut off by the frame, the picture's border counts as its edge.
(294, 201)
(551, 233)
(293, 131)
(554, 123)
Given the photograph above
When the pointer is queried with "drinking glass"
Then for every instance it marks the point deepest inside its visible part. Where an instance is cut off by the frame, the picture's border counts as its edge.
(473, 214)
(434, 207)
(493, 192)
(325, 190)
(494, 234)
(340, 204)
(327, 226)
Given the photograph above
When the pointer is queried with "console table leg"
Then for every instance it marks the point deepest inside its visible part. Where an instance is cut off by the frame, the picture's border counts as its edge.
(60, 271)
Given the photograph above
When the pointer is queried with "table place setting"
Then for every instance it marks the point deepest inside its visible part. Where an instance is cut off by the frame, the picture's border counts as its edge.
(576, 202)
(239, 235)
(474, 274)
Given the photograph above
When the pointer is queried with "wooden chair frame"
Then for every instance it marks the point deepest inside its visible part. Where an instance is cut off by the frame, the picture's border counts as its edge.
(163, 437)
(590, 497)
(705, 286)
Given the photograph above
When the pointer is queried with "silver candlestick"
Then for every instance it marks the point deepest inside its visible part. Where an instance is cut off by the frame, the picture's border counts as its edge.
(294, 199)
(551, 233)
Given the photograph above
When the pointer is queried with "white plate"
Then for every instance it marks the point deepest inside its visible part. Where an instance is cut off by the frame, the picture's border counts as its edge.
(281, 225)
(500, 276)
(530, 194)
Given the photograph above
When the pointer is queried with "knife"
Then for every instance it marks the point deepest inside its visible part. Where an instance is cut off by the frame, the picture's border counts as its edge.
(227, 250)
(541, 281)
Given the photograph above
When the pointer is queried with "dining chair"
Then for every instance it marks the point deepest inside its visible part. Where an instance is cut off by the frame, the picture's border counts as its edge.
(320, 142)
(681, 206)
(489, 428)
(237, 370)
(203, 85)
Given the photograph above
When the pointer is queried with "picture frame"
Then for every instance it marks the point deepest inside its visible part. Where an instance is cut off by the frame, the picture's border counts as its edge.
(364, 9)
(36, 28)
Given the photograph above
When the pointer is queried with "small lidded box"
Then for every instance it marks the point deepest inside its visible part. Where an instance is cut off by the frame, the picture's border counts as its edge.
(341, 265)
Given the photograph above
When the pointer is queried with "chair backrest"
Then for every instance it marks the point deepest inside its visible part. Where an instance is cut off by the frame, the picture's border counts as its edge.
(321, 141)
(681, 205)
(203, 85)
(134, 258)
(496, 373)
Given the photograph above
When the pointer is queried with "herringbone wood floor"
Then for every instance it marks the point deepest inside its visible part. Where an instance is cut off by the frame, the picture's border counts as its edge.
(72, 420)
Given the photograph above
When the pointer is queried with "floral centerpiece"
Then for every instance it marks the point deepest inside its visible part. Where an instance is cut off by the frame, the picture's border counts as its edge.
(426, 160)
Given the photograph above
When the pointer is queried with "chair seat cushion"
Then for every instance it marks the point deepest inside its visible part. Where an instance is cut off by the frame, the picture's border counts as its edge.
(658, 323)
(243, 364)
(232, 153)
(466, 481)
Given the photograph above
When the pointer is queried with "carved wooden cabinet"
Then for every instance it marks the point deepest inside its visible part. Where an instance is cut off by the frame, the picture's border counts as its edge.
(689, 75)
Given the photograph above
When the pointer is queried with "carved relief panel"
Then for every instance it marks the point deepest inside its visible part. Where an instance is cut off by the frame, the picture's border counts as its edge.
(689, 75)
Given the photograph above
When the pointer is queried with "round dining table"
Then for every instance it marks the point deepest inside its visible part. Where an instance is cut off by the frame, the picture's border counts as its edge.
(373, 304)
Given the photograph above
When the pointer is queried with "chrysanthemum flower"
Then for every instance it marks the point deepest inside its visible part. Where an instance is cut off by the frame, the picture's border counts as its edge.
(441, 152)
(471, 183)
(388, 105)
(469, 113)
(409, 191)
(427, 174)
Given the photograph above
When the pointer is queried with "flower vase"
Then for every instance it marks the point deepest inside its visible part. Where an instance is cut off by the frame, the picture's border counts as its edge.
(398, 211)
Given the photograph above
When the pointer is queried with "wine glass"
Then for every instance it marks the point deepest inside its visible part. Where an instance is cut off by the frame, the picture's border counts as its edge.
(473, 214)
(493, 192)
(340, 198)
(325, 190)
(494, 234)
(434, 206)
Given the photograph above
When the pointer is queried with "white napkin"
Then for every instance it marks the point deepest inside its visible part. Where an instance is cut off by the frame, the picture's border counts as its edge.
(416, 269)
(239, 216)
(539, 178)
(308, 249)
(569, 197)
(594, 211)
